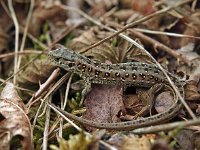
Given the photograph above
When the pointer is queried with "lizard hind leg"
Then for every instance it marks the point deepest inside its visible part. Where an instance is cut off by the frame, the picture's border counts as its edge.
(147, 98)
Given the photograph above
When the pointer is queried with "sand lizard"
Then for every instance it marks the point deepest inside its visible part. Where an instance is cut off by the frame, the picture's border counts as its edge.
(125, 74)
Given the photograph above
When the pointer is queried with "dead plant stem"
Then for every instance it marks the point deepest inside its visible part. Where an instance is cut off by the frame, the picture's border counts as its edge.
(32, 3)
(165, 127)
(10, 5)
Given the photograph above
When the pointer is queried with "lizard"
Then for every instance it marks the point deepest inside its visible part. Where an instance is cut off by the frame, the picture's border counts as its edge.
(137, 74)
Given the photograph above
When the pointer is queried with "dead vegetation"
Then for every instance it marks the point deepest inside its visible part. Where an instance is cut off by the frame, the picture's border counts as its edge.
(165, 32)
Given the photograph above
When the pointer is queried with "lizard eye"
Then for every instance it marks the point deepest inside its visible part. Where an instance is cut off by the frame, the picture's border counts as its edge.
(56, 47)
(71, 64)
(57, 59)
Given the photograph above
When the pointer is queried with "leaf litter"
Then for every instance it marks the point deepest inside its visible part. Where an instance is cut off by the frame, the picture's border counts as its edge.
(51, 23)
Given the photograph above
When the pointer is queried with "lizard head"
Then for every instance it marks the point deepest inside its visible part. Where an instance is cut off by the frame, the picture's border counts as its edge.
(63, 57)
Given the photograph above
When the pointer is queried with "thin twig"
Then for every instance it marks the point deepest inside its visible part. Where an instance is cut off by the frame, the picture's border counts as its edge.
(53, 130)
(46, 128)
(158, 45)
(67, 91)
(63, 104)
(166, 33)
(10, 5)
(194, 3)
(56, 85)
(21, 53)
(32, 3)
(186, 14)
(164, 127)
(46, 84)
(19, 88)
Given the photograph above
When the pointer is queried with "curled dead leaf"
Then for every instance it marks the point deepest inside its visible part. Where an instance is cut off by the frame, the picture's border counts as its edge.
(14, 122)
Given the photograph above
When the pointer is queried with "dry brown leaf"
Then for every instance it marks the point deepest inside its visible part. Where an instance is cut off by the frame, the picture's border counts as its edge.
(135, 105)
(123, 14)
(100, 7)
(145, 7)
(185, 139)
(102, 52)
(104, 103)
(5, 20)
(132, 142)
(191, 91)
(160, 145)
(194, 70)
(135, 143)
(108, 4)
(197, 141)
(3, 45)
(164, 101)
(140, 56)
(15, 122)
(126, 4)
(35, 73)
(132, 104)
(3, 40)
(123, 50)
(43, 13)
(191, 30)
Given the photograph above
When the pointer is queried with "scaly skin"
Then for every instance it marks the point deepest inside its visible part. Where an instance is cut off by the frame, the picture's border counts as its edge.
(124, 74)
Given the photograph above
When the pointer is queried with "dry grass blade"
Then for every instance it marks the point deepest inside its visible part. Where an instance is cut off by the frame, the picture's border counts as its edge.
(10, 5)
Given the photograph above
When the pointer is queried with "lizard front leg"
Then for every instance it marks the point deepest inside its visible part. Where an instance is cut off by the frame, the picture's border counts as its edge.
(86, 89)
